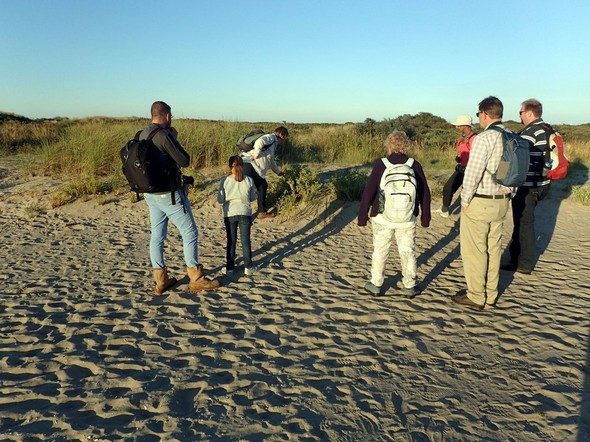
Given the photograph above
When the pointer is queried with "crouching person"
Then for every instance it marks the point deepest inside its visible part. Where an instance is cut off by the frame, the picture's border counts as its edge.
(396, 192)
(172, 205)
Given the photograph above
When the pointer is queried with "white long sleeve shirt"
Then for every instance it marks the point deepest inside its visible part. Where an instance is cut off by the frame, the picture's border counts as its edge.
(236, 196)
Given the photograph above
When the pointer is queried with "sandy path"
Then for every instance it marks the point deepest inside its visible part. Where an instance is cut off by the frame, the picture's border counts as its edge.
(296, 352)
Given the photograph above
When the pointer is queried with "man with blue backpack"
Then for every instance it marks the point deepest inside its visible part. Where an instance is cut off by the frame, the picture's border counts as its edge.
(484, 205)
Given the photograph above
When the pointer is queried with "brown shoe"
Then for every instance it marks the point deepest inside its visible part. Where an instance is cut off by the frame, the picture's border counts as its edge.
(464, 300)
(163, 281)
(198, 281)
(262, 215)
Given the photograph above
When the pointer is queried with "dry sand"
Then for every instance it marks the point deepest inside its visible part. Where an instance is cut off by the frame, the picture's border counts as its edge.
(296, 352)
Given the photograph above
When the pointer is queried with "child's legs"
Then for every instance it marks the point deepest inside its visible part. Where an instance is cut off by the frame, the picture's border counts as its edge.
(245, 223)
(231, 230)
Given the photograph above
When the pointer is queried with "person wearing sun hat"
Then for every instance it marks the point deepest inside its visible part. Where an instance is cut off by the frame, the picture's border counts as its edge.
(463, 125)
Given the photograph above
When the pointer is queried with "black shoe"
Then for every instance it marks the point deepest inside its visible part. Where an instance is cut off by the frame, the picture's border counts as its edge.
(508, 267)
(411, 292)
(523, 271)
(464, 300)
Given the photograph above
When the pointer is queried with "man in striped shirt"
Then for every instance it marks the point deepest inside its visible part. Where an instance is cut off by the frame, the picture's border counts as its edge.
(484, 205)
(522, 248)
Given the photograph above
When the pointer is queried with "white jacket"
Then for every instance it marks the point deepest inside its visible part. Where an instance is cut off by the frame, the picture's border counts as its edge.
(263, 160)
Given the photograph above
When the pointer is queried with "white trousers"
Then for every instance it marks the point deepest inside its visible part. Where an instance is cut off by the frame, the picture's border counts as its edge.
(405, 236)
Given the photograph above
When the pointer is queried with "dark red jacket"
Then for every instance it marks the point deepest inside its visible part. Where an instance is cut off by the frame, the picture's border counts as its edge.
(370, 199)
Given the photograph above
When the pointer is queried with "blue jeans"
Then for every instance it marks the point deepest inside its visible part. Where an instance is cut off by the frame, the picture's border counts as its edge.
(181, 215)
(231, 229)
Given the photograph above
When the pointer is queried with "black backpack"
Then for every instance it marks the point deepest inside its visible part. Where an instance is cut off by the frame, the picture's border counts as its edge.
(146, 167)
(246, 142)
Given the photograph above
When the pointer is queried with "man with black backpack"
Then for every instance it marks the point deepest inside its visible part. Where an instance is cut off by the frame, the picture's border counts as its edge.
(259, 160)
(535, 188)
(172, 205)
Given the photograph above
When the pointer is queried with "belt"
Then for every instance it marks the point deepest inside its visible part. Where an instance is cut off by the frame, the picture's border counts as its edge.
(493, 197)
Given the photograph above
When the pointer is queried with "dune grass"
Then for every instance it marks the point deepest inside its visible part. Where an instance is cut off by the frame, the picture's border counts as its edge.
(85, 153)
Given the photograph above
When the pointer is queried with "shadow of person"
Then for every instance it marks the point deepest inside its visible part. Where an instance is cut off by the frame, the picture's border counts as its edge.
(547, 210)
(584, 419)
(450, 241)
(334, 218)
(451, 236)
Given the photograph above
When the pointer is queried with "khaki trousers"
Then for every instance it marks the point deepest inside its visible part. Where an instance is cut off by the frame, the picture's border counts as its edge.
(481, 247)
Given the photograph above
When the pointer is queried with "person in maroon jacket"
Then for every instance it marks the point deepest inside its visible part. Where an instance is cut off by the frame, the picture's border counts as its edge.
(397, 145)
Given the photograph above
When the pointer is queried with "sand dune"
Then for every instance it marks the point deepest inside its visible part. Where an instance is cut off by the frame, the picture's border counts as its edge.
(296, 352)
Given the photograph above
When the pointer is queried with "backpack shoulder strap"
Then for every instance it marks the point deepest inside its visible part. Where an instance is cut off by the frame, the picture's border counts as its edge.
(502, 132)
(150, 136)
(386, 162)
(154, 132)
(496, 128)
(548, 128)
(409, 162)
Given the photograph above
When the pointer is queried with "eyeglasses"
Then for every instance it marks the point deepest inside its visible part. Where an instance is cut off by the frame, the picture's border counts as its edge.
(521, 112)
(480, 112)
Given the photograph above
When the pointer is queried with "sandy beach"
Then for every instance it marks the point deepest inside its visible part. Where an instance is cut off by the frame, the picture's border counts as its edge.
(296, 352)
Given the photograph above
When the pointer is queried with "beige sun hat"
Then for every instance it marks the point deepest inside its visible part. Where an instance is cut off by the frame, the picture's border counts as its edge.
(462, 120)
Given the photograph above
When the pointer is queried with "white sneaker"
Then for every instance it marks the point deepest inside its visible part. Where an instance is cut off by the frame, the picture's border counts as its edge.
(444, 214)
(250, 270)
(227, 272)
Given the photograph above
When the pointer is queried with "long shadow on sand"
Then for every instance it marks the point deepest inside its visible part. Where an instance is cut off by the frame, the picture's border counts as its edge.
(335, 217)
(577, 177)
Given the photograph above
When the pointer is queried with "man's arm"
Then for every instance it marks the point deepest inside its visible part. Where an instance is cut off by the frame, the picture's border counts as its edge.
(172, 147)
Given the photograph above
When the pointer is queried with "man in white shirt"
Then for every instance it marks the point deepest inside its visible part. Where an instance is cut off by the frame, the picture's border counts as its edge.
(259, 160)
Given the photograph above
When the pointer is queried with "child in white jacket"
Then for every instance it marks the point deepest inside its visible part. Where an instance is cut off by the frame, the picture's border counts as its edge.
(236, 193)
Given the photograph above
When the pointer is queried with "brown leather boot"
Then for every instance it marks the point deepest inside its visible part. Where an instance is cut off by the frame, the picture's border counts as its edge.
(163, 281)
(198, 281)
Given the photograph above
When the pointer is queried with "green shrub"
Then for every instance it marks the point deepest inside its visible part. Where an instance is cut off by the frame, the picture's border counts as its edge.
(299, 187)
(349, 184)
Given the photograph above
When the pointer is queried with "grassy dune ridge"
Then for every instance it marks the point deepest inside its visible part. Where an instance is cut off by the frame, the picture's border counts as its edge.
(85, 153)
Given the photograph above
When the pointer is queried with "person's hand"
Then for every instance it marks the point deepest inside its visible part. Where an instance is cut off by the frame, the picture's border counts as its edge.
(464, 208)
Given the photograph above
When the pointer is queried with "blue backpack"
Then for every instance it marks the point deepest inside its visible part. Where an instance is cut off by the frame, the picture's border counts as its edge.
(514, 164)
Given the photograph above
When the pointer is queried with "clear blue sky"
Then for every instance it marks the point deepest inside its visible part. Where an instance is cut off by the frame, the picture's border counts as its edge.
(295, 61)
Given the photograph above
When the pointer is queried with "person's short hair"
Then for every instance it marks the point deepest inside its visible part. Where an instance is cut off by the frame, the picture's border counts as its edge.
(397, 141)
(160, 109)
(282, 132)
(534, 106)
(492, 106)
